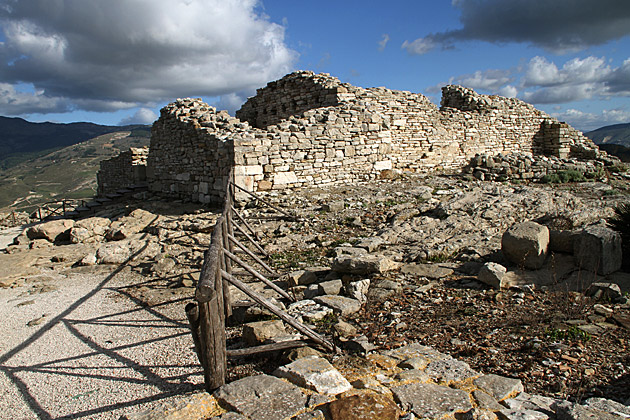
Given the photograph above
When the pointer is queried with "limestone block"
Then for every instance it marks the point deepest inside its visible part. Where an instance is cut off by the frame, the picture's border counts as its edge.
(382, 165)
(364, 406)
(283, 178)
(314, 373)
(432, 401)
(598, 249)
(258, 332)
(51, 231)
(340, 304)
(363, 264)
(262, 397)
(526, 244)
(492, 274)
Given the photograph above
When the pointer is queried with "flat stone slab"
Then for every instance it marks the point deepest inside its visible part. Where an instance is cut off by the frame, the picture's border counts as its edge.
(508, 414)
(364, 406)
(339, 304)
(450, 370)
(197, 406)
(416, 350)
(315, 373)
(363, 264)
(570, 411)
(431, 271)
(499, 387)
(262, 397)
(432, 401)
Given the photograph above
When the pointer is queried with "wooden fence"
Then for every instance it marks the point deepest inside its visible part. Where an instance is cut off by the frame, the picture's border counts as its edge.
(207, 317)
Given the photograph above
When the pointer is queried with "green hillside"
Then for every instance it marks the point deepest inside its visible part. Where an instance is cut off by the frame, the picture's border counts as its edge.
(69, 172)
(21, 140)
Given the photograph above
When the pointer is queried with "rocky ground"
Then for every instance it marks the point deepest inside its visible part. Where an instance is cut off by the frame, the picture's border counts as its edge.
(429, 235)
(440, 229)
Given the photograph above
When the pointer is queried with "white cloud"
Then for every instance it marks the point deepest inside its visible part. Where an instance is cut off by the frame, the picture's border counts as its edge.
(541, 72)
(587, 121)
(420, 46)
(231, 102)
(118, 54)
(141, 116)
(559, 26)
(15, 102)
(383, 42)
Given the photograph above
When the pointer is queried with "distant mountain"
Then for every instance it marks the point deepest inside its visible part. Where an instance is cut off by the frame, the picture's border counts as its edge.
(611, 134)
(21, 140)
(622, 152)
(68, 172)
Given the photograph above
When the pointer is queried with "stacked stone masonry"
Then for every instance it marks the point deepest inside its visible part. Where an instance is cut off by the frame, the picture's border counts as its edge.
(128, 168)
(307, 129)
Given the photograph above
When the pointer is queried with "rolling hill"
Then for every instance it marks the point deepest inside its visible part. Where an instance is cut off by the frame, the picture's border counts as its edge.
(611, 134)
(68, 172)
(21, 140)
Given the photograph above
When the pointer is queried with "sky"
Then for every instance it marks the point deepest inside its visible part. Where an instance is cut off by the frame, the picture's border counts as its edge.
(119, 62)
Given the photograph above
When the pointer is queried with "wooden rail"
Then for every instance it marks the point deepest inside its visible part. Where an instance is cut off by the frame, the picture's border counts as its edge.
(208, 315)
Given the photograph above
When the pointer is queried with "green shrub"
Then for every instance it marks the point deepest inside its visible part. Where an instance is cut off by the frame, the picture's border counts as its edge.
(562, 177)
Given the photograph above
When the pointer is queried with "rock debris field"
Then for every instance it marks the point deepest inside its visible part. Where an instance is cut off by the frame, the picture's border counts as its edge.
(389, 270)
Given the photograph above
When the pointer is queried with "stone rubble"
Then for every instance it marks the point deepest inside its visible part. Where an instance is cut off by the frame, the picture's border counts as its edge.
(312, 388)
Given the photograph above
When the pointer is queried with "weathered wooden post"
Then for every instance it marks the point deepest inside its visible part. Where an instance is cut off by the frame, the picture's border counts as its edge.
(208, 324)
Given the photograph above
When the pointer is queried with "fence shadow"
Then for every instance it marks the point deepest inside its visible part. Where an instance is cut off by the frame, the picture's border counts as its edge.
(140, 326)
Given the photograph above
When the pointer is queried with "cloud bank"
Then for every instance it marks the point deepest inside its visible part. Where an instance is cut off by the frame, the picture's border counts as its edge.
(542, 82)
(559, 26)
(117, 54)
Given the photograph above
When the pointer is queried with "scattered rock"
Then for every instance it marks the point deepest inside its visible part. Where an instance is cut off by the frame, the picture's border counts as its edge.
(363, 264)
(432, 401)
(259, 332)
(364, 406)
(499, 387)
(492, 274)
(598, 249)
(340, 304)
(526, 244)
(314, 373)
(431, 271)
(54, 231)
(358, 290)
(262, 397)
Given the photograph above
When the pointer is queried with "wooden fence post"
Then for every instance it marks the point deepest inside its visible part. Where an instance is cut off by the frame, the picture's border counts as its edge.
(211, 316)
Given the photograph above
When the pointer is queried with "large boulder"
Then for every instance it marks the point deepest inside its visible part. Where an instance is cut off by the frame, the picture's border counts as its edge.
(126, 226)
(92, 229)
(598, 249)
(525, 244)
(56, 230)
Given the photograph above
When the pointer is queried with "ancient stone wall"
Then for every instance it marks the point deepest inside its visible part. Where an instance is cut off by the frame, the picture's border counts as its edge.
(128, 168)
(308, 129)
(191, 150)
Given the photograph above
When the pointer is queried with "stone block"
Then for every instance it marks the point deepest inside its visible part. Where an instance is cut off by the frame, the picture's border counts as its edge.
(526, 244)
(262, 397)
(314, 373)
(598, 249)
(492, 274)
(259, 332)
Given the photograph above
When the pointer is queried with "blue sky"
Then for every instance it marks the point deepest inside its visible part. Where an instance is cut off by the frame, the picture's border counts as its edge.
(120, 61)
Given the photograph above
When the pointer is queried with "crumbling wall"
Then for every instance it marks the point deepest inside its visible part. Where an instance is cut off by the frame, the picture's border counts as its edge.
(128, 168)
(192, 151)
(308, 129)
(291, 95)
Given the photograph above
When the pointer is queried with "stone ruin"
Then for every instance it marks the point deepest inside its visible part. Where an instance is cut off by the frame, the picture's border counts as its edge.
(310, 129)
(128, 168)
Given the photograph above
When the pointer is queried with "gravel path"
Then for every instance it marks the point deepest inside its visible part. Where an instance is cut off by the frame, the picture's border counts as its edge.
(89, 350)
